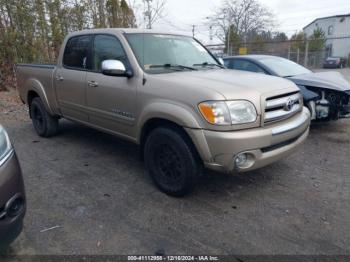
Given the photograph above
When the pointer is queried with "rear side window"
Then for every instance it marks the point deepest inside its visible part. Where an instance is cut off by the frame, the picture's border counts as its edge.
(228, 63)
(107, 47)
(246, 66)
(76, 54)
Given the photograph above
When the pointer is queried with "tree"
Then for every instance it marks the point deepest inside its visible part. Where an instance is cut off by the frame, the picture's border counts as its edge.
(128, 16)
(245, 16)
(233, 41)
(257, 41)
(299, 41)
(120, 14)
(317, 40)
(57, 35)
(33, 30)
(43, 30)
(280, 36)
(154, 11)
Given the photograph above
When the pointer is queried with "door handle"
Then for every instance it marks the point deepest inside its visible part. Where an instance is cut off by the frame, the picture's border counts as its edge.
(92, 84)
(59, 78)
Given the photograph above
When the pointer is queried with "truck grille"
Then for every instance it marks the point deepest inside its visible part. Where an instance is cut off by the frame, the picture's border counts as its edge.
(282, 107)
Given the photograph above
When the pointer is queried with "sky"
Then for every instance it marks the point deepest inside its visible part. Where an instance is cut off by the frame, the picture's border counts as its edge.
(290, 15)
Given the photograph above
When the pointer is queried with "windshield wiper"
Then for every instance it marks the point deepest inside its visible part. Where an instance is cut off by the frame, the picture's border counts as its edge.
(173, 66)
(205, 64)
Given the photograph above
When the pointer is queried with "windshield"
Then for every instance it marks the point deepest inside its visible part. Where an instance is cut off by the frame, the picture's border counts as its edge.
(284, 67)
(157, 53)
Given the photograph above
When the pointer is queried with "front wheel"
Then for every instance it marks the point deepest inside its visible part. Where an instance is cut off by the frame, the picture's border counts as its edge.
(171, 161)
(44, 124)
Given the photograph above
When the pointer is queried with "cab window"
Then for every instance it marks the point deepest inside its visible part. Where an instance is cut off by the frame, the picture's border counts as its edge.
(76, 53)
(107, 47)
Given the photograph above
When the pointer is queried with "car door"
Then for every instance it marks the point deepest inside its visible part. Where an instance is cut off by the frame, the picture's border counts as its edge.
(111, 99)
(70, 78)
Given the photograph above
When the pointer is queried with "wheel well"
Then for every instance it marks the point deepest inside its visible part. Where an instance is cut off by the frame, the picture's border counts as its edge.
(30, 97)
(154, 123)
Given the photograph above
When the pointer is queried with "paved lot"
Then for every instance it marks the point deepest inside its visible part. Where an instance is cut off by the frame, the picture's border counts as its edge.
(94, 188)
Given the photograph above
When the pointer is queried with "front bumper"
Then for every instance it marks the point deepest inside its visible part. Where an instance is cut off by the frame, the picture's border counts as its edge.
(331, 66)
(344, 111)
(11, 188)
(264, 145)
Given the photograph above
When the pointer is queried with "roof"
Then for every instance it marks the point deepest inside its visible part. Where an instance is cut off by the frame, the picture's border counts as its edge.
(327, 17)
(254, 57)
(127, 31)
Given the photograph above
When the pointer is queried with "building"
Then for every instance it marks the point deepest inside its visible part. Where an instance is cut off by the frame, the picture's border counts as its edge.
(337, 32)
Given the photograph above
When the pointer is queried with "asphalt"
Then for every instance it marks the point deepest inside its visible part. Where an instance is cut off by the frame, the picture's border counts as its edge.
(88, 193)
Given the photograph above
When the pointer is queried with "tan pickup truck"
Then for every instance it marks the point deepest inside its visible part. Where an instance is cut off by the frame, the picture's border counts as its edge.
(172, 97)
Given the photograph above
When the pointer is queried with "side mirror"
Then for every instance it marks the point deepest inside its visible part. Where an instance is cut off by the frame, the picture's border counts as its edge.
(115, 68)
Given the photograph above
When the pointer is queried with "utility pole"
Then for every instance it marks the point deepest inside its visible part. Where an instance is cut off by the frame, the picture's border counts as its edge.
(306, 58)
(193, 30)
(211, 34)
(289, 49)
(148, 14)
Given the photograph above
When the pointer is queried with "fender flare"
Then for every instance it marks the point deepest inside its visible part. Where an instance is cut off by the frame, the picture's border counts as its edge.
(34, 85)
(167, 110)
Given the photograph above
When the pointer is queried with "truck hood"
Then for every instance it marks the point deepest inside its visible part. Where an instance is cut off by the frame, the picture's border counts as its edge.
(232, 84)
(330, 80)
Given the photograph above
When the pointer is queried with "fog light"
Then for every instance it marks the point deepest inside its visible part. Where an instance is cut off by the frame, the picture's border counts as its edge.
(14, 206)
(322, 111)
(241, 160)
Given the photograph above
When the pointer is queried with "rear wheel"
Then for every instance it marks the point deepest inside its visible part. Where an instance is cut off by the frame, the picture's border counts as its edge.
(44, 124)
(171, 161)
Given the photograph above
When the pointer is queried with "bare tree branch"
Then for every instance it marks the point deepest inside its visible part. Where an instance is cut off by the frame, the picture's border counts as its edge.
(155, 11)
(244, 16)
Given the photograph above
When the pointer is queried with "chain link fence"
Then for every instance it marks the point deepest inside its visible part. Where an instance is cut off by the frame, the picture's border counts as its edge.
(308, 53)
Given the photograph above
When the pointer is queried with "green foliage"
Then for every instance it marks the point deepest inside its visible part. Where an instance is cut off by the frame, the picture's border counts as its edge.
(317, 40)
(234, 41)
(280, 36)
(299, 41)
(33, 30)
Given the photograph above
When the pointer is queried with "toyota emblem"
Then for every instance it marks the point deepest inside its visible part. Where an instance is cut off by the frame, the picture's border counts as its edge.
(289, 105)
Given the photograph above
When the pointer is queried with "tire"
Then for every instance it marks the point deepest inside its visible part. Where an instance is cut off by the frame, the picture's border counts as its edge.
(44, 124)
(171, 161)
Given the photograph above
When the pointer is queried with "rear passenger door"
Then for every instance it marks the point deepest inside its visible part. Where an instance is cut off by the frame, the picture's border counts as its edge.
(70, 78)
(111, 99)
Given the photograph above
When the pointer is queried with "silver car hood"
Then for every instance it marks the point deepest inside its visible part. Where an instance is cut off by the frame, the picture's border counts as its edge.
(330, 80)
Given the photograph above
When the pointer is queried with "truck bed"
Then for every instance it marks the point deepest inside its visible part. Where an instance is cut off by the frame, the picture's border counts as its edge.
(38, 77)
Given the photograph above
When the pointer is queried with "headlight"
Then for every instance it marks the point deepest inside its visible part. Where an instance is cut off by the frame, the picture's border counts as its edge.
(242, 112)
(229, 112)
(5, 144)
